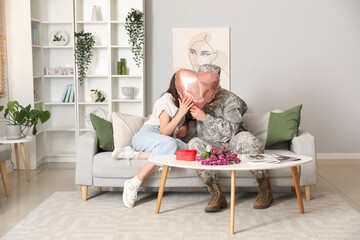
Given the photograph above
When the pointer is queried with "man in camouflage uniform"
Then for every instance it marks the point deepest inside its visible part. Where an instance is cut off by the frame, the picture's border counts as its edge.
(220, 124)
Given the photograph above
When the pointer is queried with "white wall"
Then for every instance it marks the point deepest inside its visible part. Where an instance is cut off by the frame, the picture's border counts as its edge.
(283, 53)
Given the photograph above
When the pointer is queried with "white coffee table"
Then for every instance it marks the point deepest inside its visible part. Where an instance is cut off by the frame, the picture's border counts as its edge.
(23, 140)
(170, 161)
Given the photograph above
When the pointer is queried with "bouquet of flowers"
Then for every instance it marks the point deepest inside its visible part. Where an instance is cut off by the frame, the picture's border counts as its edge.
(214, 156)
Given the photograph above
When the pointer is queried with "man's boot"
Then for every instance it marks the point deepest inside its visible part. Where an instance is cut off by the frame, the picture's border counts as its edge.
(217, 200)
(264, 198)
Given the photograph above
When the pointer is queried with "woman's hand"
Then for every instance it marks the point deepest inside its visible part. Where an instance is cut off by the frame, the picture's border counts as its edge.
(182, 131)
(185, 105)
(197, 113)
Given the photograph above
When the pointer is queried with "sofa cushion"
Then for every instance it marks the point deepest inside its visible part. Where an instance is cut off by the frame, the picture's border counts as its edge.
(104, 132)
(125, 126)
(283, 126)
(258, 124)
(105, 166)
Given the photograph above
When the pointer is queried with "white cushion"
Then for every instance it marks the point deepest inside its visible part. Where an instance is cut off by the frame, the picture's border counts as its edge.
(258, 124)
(124, 127)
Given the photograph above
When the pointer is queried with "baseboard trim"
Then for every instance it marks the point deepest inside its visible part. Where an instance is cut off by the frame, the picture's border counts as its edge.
(334, 156)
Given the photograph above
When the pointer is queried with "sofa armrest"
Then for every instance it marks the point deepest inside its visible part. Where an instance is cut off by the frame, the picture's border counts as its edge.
(304, 144)
(87, 147)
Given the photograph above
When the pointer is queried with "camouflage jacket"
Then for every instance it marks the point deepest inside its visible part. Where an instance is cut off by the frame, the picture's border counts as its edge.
(223, 117)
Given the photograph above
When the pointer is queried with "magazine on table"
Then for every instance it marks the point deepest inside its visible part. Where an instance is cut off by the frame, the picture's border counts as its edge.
(269, 158)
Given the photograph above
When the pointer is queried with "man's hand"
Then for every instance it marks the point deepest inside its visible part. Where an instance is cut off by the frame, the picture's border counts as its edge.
(197, 113)
(182, 131)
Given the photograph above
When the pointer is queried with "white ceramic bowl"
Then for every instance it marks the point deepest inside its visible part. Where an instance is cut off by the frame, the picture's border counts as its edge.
(128, 92)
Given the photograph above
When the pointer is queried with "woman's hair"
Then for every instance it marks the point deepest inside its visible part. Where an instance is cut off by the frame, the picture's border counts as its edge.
(172, 90)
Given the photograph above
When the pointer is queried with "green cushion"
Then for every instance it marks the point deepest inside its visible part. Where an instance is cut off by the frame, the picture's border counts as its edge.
(283, 126)
(104, 132)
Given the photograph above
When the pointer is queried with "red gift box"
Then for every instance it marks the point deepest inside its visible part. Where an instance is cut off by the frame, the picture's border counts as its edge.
(186, 154)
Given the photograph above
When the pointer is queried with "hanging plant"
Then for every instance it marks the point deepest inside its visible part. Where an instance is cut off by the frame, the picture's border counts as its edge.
(134, 26)
(83, 52)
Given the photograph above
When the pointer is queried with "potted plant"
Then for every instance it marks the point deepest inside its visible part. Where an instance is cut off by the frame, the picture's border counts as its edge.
(97, 96)
(84, 45)
(134, 25)
(20, 119)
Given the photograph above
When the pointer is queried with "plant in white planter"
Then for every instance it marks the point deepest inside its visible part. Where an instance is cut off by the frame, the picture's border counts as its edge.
(84, 45)
(20, 119)
(134, 25)
(97, 95)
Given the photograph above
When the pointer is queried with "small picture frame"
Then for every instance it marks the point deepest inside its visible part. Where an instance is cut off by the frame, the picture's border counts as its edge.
(58, 38)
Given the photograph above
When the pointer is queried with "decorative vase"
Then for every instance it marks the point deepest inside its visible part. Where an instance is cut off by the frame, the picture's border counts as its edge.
(121, 67)
(128, 92)
(94, 97)
(94, 14)
(13, 131)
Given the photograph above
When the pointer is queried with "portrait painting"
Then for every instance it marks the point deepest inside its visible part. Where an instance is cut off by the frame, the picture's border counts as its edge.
(193, 47)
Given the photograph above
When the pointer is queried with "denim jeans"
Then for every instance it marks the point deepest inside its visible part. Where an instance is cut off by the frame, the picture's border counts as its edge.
(149, 139)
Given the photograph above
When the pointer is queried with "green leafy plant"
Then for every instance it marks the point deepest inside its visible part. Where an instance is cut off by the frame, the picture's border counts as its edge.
(58, 39)
(83, 52)
(134, 26)
(25, 116)
(100, 95)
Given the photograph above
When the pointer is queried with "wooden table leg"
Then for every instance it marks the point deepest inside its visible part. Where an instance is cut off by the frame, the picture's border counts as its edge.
(297, 188)
(232, 203)
(161, 188)
(17, 158)
(4, 177)
(84, 192)
(25, 162)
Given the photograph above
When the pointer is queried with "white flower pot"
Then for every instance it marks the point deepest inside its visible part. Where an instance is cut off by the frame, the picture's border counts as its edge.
(94, 97)
(128, 92)
(13, 131)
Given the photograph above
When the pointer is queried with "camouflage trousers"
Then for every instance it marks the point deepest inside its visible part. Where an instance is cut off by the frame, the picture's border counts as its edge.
(242, 143)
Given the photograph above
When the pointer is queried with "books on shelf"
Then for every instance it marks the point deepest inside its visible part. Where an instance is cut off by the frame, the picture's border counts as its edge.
(71, 99)
(35, 36)
(268, 158)
(64, 94)
(68, 94)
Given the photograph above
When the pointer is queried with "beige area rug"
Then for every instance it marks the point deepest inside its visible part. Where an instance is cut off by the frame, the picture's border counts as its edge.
(64, 216)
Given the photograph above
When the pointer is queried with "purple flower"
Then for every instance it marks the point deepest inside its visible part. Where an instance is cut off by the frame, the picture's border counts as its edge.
(237, 160)
(213, 158)
(213, 150)
(223, 148)
(220, 152)
(198, 158)
(208, 159)
(221, 157)
(228, 156)
(234, 155)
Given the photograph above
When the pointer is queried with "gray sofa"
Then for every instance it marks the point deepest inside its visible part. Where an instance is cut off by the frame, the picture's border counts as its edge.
(96, 168)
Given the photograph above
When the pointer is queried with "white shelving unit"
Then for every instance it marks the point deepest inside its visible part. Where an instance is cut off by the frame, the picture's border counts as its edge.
(57, 139)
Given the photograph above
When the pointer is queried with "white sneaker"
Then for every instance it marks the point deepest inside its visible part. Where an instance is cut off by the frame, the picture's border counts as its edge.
(129, 194)
(126, 152)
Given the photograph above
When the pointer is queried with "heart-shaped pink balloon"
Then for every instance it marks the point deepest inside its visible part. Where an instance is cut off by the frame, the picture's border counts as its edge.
(202, 87)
